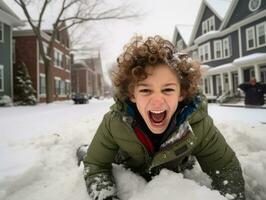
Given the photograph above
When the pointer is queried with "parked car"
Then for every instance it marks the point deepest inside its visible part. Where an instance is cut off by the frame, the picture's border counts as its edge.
(80, 98)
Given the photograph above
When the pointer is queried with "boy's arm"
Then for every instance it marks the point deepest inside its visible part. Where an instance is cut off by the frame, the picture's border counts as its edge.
(219, 161)
(98, 163)
(243, 86)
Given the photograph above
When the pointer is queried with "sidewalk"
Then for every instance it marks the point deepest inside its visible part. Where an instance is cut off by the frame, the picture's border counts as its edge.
(241, 104)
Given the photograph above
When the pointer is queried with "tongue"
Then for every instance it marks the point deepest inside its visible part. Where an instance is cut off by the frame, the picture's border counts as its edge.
(157, 117)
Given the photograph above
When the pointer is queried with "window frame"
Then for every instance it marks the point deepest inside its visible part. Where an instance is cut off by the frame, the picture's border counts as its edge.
(2, 77)
(257, 34)
(215, 49)
(41, 87)
(228, 47)
(57, 90)
(2, 29)
(252, 28)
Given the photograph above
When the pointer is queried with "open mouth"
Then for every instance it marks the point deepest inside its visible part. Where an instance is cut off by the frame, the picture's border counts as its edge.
(157, 117)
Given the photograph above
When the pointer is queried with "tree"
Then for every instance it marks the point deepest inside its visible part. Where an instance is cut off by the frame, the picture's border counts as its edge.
(24, 93)
(71, 13)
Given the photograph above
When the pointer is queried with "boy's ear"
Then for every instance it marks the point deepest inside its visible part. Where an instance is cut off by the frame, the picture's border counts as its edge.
(132, 98)
(181, 98)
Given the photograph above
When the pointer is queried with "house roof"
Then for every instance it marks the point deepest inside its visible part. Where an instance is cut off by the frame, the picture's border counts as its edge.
(184, 31)
(229, 13)
(8, 16)
(218, 7)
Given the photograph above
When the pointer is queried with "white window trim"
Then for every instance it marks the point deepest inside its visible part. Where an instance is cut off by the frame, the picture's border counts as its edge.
(252, 28)
(257, 31)
(251, 9)
(42, 95)
(211, 21)
(2, 32)
(204, 27)
(45, 45)
(2, 69)
(61, 54)
(229, 49)
(202, 47)
(215, 49)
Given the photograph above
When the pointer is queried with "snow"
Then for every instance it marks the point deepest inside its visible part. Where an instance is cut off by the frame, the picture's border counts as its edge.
(38, 146)
(219, 6)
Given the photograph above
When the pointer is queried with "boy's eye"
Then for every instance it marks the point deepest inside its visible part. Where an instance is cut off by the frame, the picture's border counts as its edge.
(168, 90)
(145, 91)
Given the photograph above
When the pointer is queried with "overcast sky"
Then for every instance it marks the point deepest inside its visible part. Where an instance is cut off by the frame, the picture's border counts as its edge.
(160, 17)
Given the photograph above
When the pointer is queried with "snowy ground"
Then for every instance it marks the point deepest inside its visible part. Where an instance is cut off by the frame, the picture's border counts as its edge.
(37, 154)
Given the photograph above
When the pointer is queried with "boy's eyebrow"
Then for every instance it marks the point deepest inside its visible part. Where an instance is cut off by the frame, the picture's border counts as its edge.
(143, 84)
(147, 85)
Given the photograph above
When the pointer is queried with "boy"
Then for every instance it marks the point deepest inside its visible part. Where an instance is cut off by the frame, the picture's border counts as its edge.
(159, 120)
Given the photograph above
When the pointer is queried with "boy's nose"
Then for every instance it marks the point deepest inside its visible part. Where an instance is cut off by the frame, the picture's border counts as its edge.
(158, 100)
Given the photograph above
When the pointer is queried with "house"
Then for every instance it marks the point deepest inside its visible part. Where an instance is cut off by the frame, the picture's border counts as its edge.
(229, 39)
(87, 77)
(8, 20)
(27, 51)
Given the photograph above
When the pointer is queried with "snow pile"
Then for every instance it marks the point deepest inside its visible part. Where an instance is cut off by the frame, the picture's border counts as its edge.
(38, 146)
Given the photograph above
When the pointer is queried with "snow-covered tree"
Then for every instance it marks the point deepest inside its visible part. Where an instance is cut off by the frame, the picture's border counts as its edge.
(24, 93)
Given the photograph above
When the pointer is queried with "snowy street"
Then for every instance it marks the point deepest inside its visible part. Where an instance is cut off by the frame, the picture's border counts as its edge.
(38, 146)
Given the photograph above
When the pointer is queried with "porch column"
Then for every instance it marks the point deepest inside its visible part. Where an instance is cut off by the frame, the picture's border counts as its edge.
(211, 85)
(240, 75)
(257, 73)
(230, 82)
(222, 82)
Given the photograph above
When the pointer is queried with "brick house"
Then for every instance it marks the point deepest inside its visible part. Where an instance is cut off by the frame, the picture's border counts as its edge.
(27, 51)
(87, 77)
(229, 38)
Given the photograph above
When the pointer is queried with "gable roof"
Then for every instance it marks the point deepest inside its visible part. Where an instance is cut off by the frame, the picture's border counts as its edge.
(184, 31)
(218, 7)
(229, 13)
(8, 16)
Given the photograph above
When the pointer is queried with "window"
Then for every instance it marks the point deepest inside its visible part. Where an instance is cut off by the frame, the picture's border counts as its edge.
(254, 5)
(226, 48)
(1, 32)
(62, 87)
(261, 34)
(263, 74)
(204, 52)
(250, 38)
(67, 87)
(211, 23)
(14, 51)
(57, 85)
(180, 45)
(204, 27)
(42, 84)
(68, 62)
(58, 58)
(1, 78)
(45, 46)
(195, 55)
(217, 49)
(208, 25)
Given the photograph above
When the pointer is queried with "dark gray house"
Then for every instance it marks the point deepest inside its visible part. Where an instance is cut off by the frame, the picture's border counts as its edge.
(229, 39)
(8, 20)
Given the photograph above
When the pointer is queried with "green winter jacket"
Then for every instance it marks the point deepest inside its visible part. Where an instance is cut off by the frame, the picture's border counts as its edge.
(116, 139)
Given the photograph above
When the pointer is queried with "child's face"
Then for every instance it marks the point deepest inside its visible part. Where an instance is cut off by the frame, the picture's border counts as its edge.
(157, 97)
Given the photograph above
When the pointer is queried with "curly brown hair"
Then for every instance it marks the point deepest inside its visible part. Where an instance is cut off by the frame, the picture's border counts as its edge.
(153, 51)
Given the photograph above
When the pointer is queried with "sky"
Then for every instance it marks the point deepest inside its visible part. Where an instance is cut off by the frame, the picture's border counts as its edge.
(38, 161)
(158, 17)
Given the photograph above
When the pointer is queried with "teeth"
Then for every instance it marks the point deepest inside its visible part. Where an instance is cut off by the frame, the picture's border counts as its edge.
(157, 112)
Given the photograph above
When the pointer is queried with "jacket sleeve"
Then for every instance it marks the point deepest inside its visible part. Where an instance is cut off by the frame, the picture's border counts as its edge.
(219, 161)
(243, 86)
(98, 163)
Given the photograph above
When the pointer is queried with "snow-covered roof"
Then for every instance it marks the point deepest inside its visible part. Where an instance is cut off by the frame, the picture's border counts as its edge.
(185, 32)
(219, 7)
(8, 16)
(252, 58)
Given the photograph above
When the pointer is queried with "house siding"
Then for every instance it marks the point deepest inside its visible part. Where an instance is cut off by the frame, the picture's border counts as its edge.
(242, 11)
(5, 60)
(207, 14)
(26, 48)
(234, 51)
(243, 33)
